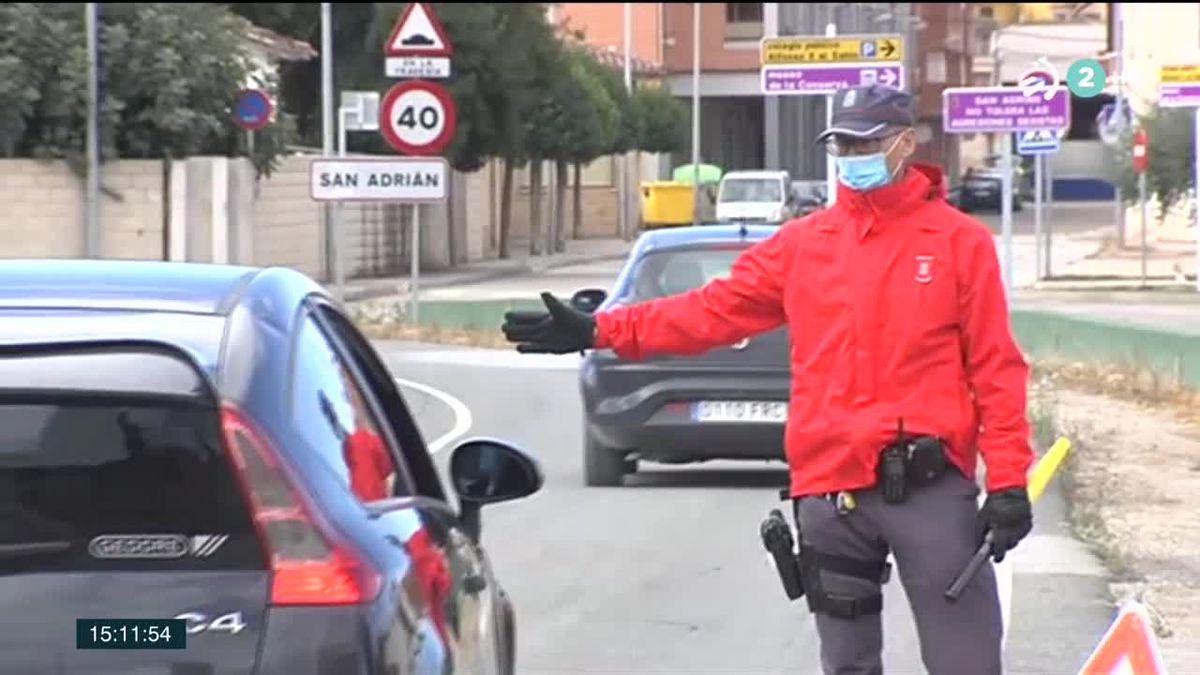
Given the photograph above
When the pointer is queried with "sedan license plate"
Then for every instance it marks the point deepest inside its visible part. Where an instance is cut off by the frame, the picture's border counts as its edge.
(766, 412)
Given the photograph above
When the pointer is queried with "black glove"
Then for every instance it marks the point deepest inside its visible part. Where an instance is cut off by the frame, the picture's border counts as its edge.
(1009, 516)
(561, 330)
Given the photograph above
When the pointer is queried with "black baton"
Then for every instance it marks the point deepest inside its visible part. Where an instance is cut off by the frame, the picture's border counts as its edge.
(972, 568)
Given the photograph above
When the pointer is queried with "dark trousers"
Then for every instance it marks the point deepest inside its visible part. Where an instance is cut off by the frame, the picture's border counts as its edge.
(932, 537)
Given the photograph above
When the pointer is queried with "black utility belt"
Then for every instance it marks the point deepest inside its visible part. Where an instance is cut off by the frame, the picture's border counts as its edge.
(916, 460)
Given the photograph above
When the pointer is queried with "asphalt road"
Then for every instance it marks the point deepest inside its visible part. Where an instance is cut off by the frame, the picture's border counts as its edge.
(1062, 218)
(666, 575)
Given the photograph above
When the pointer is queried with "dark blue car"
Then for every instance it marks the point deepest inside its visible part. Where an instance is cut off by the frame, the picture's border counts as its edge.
(727, 403)
(217, 451)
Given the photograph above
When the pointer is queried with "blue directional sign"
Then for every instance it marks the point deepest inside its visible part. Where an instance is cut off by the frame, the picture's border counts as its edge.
(252, 109)
(868, 49)
(1040, 142)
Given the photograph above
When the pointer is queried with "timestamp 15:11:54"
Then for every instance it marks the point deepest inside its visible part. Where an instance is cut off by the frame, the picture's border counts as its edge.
(130, 634)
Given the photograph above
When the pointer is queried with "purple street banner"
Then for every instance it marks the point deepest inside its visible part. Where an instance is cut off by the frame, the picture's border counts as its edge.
(1184, 95)
(828, 79)
(970, 110)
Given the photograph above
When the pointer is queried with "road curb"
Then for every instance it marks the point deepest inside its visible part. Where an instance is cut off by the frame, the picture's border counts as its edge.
(467, 278)
(1171, 354)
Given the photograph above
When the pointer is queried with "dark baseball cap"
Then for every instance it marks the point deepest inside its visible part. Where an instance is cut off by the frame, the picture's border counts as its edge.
(870, 112)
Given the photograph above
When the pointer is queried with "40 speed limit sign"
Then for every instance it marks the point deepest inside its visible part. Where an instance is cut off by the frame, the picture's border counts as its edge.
(417, 117)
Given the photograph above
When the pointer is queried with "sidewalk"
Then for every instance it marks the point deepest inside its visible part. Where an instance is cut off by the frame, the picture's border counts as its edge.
(1168, 265)
(577, 252)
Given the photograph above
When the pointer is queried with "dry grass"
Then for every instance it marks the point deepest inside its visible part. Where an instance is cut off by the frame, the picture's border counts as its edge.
(433, 334)
(1137, 385)
(1133, 483)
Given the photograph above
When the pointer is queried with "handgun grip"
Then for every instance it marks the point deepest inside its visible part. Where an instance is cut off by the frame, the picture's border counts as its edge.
(777, 539)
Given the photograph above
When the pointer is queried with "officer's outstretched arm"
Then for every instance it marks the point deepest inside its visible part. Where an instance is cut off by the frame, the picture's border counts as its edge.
(995, 366)
(720, 313)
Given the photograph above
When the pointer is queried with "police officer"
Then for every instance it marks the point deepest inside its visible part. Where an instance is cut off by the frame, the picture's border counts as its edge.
(904, 371)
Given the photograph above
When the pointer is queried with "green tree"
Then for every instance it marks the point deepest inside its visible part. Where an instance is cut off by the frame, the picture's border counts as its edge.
(300, 82)
(546, 131)
(575, 123)
(597, 125)
(168, 76)
(1170, 158)
(495, 82)
(611, 81)
(662, 121)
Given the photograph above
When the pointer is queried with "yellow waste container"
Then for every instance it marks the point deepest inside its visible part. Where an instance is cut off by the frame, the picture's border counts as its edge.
(666, 203)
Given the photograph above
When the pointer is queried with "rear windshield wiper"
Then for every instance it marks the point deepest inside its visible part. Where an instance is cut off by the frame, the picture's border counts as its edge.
(32, 548)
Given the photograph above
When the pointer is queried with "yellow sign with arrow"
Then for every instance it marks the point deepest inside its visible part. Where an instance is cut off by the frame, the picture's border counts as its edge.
(782, 51)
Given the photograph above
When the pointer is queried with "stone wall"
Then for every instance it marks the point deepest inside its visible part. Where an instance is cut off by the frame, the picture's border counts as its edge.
(43, 213)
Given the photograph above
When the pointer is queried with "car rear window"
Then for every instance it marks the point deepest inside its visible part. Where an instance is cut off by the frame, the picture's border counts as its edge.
(751, 190)
(664, 273)
(101, 474)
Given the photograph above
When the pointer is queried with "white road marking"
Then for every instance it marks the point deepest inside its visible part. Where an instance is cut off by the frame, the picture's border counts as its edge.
(1004, 588)
(462, 414)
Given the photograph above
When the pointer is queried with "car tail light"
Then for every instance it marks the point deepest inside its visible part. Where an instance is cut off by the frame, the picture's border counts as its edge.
(307, 567)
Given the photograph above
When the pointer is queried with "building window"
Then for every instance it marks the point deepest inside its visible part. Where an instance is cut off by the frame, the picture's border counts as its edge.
(986, 12)
(743, 20)
(935, 67)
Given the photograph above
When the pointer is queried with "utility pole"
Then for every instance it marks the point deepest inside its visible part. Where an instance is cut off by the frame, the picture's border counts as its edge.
(92, 238)
(624, 196)
(1119, 58)
(696, 113)
(332, 229)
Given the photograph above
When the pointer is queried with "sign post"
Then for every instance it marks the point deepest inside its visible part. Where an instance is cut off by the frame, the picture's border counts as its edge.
(821, 66)
(1179, 87)
(252, 110)
(1139, 167)
(417, 118)
(1037, 82)
(1005, 110)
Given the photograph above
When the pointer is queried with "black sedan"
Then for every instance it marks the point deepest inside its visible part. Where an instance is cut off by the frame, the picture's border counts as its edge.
(981, 190)
(728, 403)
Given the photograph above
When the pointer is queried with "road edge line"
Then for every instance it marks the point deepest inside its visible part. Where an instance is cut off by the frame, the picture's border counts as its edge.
(462, 414)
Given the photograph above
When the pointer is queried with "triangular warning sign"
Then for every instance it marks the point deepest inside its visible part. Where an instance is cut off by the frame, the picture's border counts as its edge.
(1128, 646)
(418, 33)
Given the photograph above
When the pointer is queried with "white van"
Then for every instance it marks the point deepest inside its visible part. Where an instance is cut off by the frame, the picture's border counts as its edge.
(755, 197)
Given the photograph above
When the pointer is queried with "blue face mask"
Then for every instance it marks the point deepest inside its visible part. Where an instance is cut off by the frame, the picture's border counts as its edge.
(865, 172)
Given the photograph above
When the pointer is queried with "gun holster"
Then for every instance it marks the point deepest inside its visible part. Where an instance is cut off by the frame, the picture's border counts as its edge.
(800, 566)
(799, 569)
(777, 538)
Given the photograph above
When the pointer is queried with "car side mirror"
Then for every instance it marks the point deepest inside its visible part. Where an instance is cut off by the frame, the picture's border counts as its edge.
(489, 471)
(588, 300)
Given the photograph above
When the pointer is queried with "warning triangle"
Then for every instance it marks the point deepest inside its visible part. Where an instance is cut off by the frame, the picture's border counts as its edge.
(418, 33)
(1128, 646)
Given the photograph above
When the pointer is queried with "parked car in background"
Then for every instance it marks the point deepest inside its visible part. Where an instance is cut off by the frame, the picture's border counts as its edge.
(217, 451)
(727, 403)
(808, 196)
(981, 190)
(755, 197)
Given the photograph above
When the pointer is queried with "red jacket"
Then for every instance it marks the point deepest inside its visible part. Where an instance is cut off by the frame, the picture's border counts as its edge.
(895, 308)
(368, 463)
